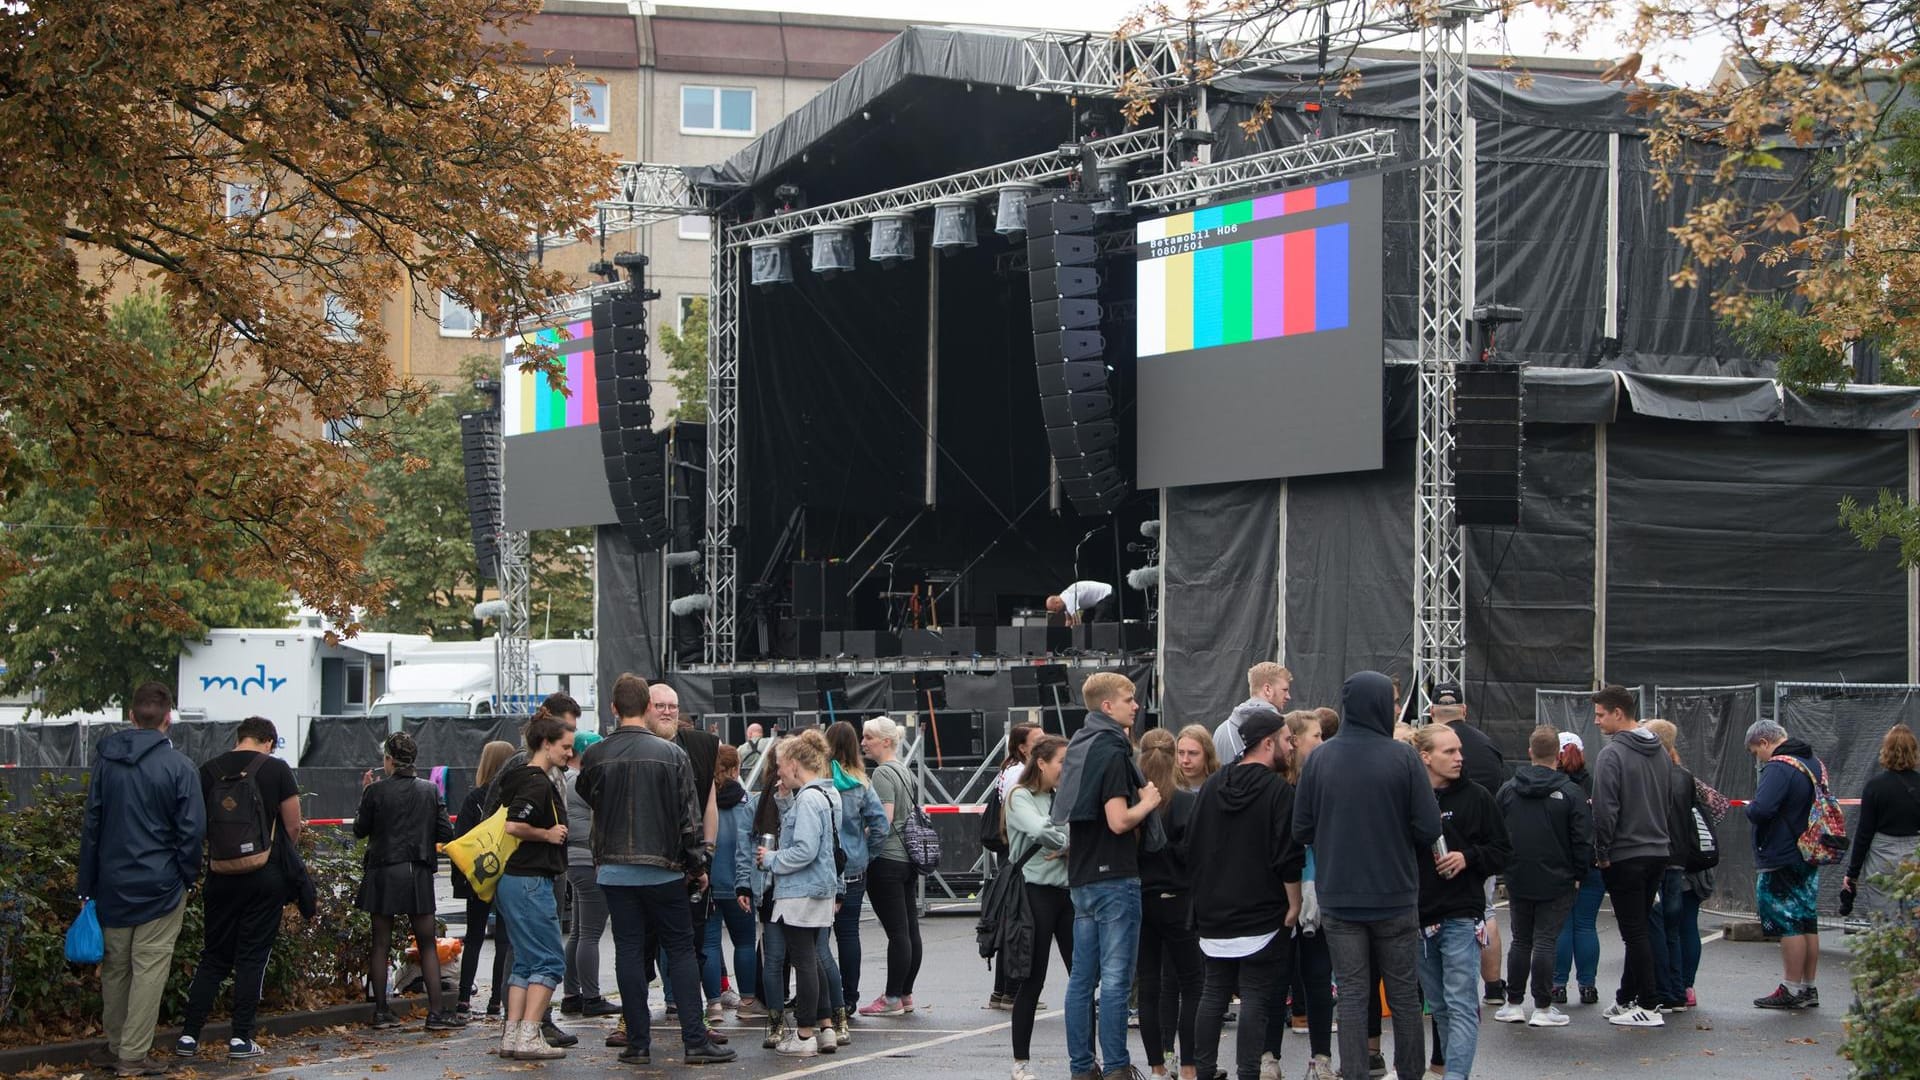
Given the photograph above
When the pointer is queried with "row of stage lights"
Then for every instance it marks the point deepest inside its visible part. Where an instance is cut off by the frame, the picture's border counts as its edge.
(890, 235)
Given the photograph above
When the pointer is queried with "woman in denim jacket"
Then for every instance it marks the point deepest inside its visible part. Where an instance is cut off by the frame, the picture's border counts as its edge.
(863, 828)
(805, 881)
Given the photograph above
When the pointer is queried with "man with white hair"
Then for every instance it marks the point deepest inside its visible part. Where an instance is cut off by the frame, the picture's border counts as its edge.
(1787, 888)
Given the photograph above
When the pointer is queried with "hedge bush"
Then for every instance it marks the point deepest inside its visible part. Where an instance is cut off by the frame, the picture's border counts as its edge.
(45, 999)
(1883, 1026)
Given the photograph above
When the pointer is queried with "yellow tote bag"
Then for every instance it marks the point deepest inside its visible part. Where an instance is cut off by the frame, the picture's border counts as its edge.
(483, 852)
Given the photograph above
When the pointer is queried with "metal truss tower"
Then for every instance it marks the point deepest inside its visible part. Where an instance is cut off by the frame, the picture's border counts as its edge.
(515, 639)
(723, 448)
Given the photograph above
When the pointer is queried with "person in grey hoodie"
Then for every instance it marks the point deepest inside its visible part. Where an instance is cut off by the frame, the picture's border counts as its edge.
(1367, 808)
(1271, 687)
(1630, 844)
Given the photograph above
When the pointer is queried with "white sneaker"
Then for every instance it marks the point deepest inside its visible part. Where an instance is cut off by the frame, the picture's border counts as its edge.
(1021, 1072)
(1636, 1017)
(1269, 1067)
(730, 999)
(825, 1036)
(1551, 1016)
(795, 1046)
(1511, 1013)
(1321, 1068)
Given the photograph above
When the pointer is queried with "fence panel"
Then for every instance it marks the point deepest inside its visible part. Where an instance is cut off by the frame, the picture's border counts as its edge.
(1712, 726)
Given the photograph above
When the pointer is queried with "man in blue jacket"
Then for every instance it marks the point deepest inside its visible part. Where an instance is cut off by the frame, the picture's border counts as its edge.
(1366, 806)
(1787, 888)
(139, 854)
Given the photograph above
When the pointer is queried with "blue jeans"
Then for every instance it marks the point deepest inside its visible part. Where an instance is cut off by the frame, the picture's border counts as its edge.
(846, 931)
(746, 958)
(1579, 947)
(1667, 928)
(1450, 979)
(658, 912)
(1106, 932)
(533, 926)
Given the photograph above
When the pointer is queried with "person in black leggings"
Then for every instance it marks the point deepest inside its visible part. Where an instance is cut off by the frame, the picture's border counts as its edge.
(1312, 961)
(1032, 835)
(1172, 969)
(472, 812)
(889, 875)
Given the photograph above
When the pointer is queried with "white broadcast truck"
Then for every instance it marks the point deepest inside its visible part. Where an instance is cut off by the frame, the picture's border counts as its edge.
(457, 678)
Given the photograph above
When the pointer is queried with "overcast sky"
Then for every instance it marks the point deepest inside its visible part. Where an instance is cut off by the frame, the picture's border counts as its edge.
(1687, 62)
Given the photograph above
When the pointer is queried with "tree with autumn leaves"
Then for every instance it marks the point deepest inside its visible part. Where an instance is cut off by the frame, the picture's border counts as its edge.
(249, 159)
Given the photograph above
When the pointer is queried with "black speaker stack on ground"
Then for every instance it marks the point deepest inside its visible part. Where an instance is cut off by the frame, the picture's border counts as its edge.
(635, 456)
(480, 453)
(1069, 352)
(1486, 443)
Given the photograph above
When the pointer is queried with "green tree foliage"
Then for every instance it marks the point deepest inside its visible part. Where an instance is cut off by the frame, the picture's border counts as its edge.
(81, 615)
(425, 553)
(1883, 1027)
(686, 350)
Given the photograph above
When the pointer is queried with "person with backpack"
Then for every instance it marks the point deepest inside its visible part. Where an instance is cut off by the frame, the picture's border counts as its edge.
(1791, 837)
(1032, 836)
(1550, 825)
(402, 820)
(805, 879)
(253, 806)
(1694, 809)
(1887, 832)
(993, 832)
(493, 756)
(140, 849)
(890, 874)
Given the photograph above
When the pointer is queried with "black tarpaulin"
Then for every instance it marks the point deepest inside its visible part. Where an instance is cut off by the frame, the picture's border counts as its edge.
(1692, 397)
(1844, 725)
(1220, 606)
(1529, 590)
(1861, 408)
(1726, 564)
(1349, 552)
(1711, 728)
(344, 742)
(1553, 395)
(628, 614)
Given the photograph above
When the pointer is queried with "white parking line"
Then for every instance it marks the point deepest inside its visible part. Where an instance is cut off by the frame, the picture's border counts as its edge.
(927, 1044)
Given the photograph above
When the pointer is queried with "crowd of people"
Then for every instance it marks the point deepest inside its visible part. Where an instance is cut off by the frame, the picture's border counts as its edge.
(1311, 870)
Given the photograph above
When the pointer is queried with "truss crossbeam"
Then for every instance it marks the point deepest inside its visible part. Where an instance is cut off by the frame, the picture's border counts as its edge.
(1274, 166)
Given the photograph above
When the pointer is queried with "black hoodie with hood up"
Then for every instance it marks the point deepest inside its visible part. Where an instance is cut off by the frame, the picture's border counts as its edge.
(1366, 807)
(1242, 853)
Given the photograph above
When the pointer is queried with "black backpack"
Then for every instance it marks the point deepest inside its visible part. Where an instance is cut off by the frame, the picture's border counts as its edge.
(991, 838)
(839, 853)
(240, 831)
(1696, 846)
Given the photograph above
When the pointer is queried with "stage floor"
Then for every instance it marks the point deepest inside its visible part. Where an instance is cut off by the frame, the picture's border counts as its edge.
(877, 666)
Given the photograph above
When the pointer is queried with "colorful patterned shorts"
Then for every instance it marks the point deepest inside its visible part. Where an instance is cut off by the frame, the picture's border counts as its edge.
(1788, 899)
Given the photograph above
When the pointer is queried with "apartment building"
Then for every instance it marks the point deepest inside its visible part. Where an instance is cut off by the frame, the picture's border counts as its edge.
(673, 85)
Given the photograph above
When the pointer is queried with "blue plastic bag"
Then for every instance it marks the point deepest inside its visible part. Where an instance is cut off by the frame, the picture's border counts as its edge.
(85, 944)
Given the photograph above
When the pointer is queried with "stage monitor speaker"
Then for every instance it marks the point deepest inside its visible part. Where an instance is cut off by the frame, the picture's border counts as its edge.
(821, 691)
(952, 739)
(916, 691)
(947, 641)
(1487, 440)
(480, 454)
(869, 644)
(1063, 721)
(736, 694)
(635, 461)
(1033, 640)
(1114, 637)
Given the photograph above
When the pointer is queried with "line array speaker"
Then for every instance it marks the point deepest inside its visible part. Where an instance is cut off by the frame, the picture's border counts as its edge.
(1069, 351)
(634, 453)
(1487, 437)
(480, 453)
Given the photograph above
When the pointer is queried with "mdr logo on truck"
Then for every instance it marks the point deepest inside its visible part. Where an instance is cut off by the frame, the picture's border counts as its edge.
(286, 674)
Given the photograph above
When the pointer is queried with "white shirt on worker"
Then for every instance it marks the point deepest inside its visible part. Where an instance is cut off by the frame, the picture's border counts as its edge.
(1082, 595)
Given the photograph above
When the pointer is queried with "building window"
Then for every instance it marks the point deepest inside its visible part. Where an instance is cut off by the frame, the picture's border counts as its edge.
(696, 227)
(456, 319)
(340, 432)
(686, 309)
(241, 200)
(590, 105)
(343, 324)
(716, 110)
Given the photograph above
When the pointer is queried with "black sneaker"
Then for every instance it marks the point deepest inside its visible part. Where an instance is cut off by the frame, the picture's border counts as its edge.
(599, 1006)
(1559, 995)
(1496, 993)
(1589, 995)
(557, 1038)
(570, 1005)
(1376, 1065)
(384, 1019)
(636, 1055)
(707, 1053)
(444, 1022)
(1781, 998)
(1807, 999)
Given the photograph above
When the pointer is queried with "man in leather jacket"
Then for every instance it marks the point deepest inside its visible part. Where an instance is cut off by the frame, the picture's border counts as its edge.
(648, 841)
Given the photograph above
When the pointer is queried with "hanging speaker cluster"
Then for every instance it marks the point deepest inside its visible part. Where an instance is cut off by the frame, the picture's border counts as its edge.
(1486, 443)
(1069, 352)
(480, 453)
(633, 452)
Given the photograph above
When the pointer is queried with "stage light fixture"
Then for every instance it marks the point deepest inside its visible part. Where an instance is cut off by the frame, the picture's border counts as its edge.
(1010, 209)
(953, 225)
(772, 264)
(891, 239)
(832, 249)
(1113, 185)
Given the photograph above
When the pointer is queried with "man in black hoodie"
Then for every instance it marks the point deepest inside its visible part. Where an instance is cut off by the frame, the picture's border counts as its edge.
(1551, 827)
(1368, 811)
(1246, 881)
(1452, 896)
